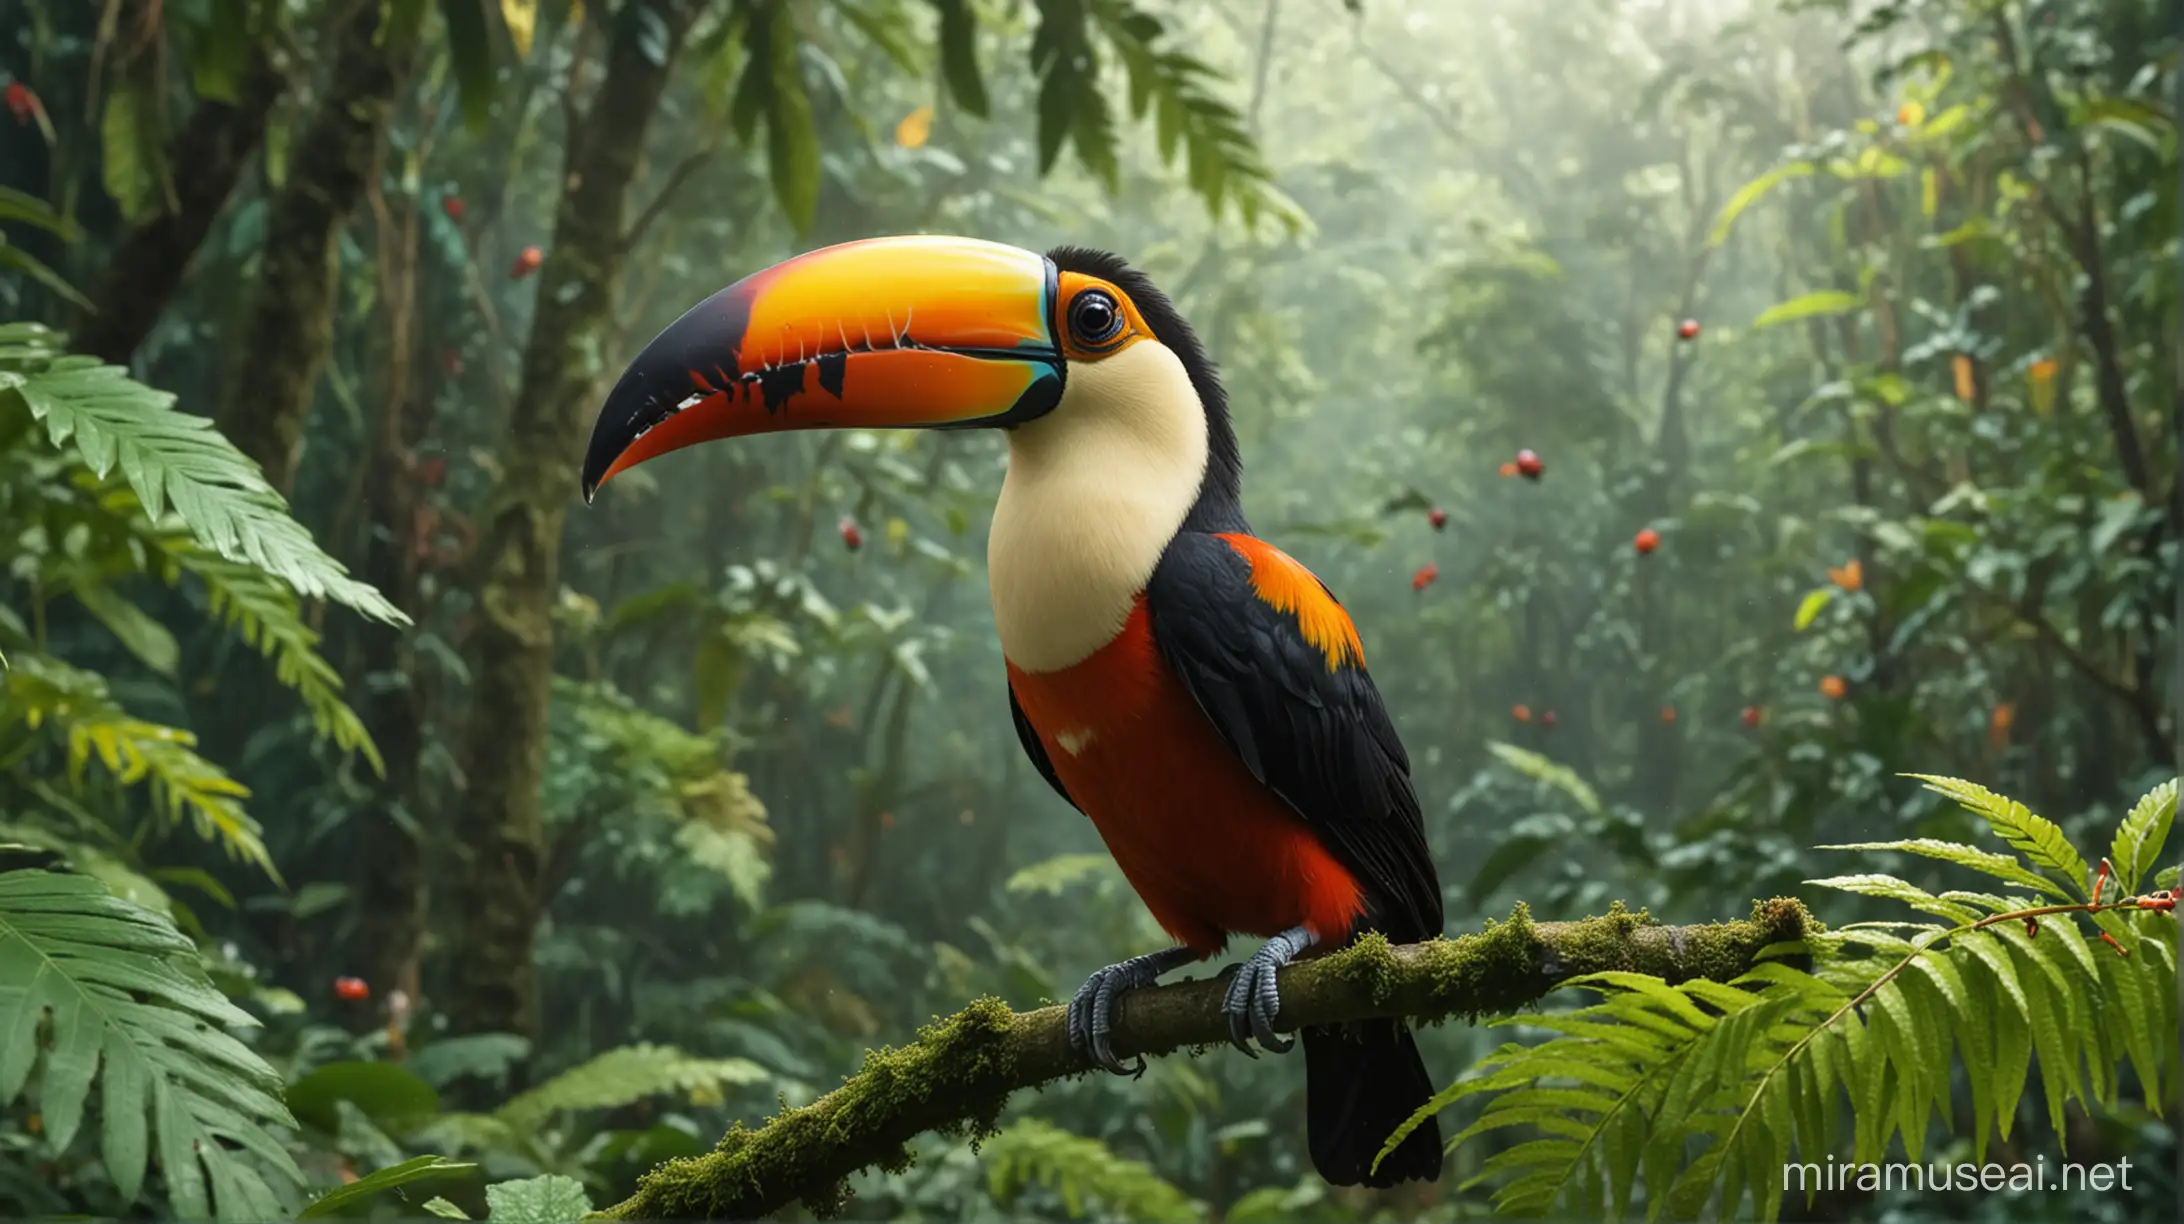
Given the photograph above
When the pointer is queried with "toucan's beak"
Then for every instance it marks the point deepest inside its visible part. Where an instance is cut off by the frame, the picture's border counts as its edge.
(887, 333)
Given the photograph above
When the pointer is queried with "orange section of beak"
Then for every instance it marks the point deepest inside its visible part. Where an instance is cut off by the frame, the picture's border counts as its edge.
(888, 333)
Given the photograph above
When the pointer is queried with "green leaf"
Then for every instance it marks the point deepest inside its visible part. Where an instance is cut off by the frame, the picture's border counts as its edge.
(391, 1095)
(22, 261)
(625, 1075)
(264, 613)
(1542, 769)
(792, 134)
(1822, 304)
(133, 166)
(552, 1199)
(1875, 885)
(138, 630)
(1078, 1169)
(220, 50)
(1072, 110)
(2038, 839)
(2137, 121)
(484, 1055)
(1517, 850)
(1751, 193)
(470, 50)
(415, 1170)
(23, 207)
(2000, 866)
(126, 1005)
(1052, 875)
(44, 691)
(1191, 119)
(959, 55)
(105, 419)
(1814, 601)
(2058, 1052)
(2139, 839)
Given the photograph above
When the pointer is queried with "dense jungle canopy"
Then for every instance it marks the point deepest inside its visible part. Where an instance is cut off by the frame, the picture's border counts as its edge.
(1716, 416)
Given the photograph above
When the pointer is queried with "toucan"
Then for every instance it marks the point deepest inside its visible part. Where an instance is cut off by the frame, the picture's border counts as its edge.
(1191, 688)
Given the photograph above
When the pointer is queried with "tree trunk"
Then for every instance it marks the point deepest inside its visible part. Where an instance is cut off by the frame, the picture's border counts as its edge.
(519, 538)
(288, 326)
(207, 158)
(389, 938)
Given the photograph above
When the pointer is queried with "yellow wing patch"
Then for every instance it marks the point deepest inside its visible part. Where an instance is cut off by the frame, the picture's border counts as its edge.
(1286, 586)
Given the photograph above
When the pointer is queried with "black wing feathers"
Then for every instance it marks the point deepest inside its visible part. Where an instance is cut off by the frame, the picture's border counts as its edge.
(1034, 749)
(1318, 738)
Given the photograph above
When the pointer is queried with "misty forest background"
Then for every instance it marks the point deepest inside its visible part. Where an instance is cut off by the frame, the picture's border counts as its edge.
(653, 818)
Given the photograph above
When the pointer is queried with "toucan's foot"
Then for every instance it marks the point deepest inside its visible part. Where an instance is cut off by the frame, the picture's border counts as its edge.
(1253, 1001)
(1092, 1012)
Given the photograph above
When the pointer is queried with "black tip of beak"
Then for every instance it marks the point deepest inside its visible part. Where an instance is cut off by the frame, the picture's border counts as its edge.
(659, 382)
(596, 462)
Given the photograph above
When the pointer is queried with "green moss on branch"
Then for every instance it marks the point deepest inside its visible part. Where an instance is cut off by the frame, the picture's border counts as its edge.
(960, 1072)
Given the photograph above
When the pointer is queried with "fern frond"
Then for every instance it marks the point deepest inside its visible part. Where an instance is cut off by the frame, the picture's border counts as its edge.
(94, 988)
(1756, 1070)
(43, 691)
(257, 605)
(1052, 875)
(2142, 834)
(547, 1199)
(678, 774)
(1079, 1169)
(626, 1075)
(173, 460)
(266, 616)
(1888, 886)
(1540, 768)
(733, 855)
(1223, 162)
(2001, 866)
(2040, 840)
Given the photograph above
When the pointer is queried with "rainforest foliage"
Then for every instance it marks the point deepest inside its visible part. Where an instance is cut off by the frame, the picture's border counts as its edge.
(381, 834)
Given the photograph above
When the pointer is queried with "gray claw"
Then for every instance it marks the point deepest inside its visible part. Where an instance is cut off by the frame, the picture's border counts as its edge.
(1253, 1001)
(1091, 1018)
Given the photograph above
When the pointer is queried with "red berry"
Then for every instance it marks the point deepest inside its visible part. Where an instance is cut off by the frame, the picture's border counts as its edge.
(527, 263)
(1668, 714)
(1547, 719)
(852, 539)
(1425, 576)
(1752, 716)
(1647, 541)
(351, 989)
(1438, 517)
(1529, 465)
(1688, 329)
(452, 205)
(21, 102)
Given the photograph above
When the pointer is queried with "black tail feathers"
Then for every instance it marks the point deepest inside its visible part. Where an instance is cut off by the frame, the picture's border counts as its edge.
(1360, 1085)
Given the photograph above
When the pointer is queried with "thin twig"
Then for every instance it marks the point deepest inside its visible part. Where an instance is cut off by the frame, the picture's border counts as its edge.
(659, 203)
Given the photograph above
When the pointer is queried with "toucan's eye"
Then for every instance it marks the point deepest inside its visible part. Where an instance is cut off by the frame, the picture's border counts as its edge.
(1094, 318)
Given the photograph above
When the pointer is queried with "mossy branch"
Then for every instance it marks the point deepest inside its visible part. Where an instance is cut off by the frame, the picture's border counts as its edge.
(960, 1072)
